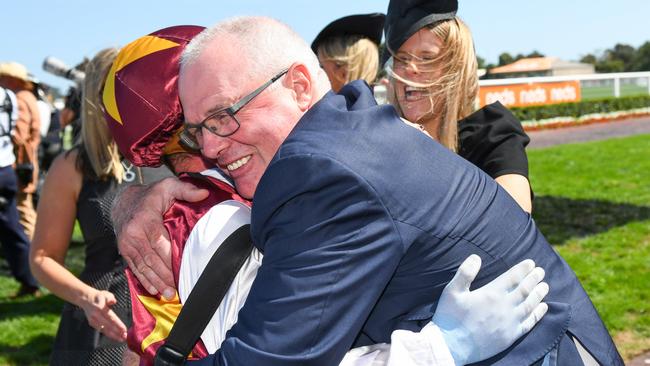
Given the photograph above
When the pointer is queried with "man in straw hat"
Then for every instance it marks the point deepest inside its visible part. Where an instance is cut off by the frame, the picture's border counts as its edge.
(12, 236)
(15, 77)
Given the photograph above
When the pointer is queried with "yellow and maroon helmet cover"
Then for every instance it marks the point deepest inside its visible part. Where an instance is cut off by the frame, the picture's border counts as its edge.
(140, 98)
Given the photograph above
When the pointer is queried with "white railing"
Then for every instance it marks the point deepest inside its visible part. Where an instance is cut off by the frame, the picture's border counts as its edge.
(638, 79)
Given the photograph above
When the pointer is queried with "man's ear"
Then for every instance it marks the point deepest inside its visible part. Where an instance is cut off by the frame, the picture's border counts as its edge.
(301, 82)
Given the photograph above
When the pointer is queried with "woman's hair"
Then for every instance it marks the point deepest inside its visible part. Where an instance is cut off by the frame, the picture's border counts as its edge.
(453, 94)
(98, 153)
(358, 54)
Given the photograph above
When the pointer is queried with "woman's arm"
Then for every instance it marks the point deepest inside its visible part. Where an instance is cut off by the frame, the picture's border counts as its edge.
(518, 187)
(56, 216)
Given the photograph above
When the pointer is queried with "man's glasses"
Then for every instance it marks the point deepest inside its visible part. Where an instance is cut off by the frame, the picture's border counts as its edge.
(223, 122)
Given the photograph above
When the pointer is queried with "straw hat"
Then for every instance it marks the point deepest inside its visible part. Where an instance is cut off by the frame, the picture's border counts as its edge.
(15, 70)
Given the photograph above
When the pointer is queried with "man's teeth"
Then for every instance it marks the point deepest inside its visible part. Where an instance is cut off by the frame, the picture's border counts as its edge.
(238, 163)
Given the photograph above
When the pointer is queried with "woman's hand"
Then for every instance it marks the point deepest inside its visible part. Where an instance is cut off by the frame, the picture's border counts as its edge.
(97, 307)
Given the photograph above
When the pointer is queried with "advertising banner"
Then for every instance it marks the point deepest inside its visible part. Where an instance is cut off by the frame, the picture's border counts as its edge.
(521, 95)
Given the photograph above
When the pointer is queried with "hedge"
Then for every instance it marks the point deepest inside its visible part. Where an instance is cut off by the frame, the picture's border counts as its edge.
(576, 110)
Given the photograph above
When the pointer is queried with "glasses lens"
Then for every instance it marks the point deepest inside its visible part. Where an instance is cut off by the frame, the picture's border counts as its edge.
(188, 138)
(222, 124)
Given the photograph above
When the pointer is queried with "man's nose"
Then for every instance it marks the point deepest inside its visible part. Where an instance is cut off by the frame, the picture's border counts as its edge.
(212, 145)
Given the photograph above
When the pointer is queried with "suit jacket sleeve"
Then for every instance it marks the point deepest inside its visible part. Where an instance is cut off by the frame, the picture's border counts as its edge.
(330, 248)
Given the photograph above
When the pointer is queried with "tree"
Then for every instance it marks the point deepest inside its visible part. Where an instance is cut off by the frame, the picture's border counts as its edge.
(621, 52)
(505, 59)
(589, 59)
(620, 58)
(641, 60)
(610, 66)
(480, 62)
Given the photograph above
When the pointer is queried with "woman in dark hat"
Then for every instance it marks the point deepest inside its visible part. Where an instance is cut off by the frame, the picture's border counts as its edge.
(347, 48)
(434, 82)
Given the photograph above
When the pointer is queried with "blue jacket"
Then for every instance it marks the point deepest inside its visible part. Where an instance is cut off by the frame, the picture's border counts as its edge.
(363, 220)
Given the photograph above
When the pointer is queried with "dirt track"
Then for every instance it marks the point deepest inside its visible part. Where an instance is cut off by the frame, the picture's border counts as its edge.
(642, 360)
(590, 132)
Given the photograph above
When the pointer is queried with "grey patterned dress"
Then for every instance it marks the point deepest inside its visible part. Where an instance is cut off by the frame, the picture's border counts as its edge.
(76, 342)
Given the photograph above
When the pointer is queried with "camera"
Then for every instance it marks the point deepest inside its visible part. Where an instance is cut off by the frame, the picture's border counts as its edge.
(24, 173)
(57, 67)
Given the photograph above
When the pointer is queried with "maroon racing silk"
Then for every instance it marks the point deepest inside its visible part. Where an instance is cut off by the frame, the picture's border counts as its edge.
(153, 316)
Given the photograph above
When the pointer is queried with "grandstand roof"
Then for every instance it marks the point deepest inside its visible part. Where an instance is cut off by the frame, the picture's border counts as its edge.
(526, 65)
(536, 64)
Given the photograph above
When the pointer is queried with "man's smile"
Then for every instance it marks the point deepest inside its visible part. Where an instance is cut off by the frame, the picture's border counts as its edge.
(238, 163)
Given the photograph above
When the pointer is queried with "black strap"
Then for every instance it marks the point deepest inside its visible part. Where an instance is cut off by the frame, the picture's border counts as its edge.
(205, 298)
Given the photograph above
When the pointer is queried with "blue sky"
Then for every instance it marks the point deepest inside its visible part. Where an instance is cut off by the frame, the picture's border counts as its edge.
(70, 30)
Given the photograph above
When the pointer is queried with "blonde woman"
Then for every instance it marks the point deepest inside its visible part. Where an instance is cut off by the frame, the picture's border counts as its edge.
(347, 48)
(81, 185)
(434, 83)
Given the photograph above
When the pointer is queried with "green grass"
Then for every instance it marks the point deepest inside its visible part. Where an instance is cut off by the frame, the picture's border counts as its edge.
(598, 92)
(28, 325)
(592, 202)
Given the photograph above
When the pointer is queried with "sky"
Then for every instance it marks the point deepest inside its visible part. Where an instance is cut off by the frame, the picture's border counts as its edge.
(74, 29)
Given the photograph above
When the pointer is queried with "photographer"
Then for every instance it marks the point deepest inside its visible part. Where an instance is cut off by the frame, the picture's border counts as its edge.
(14, 241)
(50, 145)
(71, 112)
(26, 138)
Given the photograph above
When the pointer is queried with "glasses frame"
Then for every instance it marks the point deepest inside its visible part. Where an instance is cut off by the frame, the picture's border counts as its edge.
(188, 138)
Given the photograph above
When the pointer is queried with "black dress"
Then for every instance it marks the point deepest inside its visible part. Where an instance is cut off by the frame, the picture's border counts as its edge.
(76, 342)
(494, 140)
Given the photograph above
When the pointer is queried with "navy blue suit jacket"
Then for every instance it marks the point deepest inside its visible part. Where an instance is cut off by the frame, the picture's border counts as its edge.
(363, 220)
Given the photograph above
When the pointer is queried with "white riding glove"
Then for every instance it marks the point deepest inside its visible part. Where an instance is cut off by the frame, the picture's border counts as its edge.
(478, 324)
